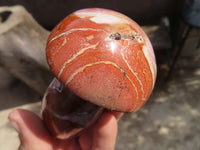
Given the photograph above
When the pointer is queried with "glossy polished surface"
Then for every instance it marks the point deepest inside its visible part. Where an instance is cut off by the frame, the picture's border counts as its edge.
(103, 57)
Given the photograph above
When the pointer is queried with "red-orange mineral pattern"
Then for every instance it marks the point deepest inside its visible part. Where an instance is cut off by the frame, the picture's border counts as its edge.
(103, 57)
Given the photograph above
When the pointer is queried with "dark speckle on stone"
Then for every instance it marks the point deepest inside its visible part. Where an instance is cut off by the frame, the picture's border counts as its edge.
(115, 36)
(126, 36)
(124, 73)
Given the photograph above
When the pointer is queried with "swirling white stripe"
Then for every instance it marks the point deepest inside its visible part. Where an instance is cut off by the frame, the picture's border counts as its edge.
(73, 30)
(134, 73)
(150, 62)
(101, 62)
(74, 57)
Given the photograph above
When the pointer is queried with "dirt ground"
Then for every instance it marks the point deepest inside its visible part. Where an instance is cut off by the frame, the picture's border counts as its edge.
(170, 120)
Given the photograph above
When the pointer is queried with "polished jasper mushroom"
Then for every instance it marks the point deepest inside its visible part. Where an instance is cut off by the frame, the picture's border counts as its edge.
(102, 60)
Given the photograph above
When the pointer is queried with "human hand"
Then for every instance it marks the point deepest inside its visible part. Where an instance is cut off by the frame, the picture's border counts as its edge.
(34, 136)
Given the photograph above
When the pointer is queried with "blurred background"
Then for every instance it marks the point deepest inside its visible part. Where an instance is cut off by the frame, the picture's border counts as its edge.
(171, 117)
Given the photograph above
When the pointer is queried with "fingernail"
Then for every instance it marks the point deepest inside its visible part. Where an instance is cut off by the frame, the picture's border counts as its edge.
(15, 125)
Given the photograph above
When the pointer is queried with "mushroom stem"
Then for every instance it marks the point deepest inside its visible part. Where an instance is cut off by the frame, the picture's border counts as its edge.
(65, 114)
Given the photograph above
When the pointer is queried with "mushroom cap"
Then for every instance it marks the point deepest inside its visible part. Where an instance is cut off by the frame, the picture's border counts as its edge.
(103, 57)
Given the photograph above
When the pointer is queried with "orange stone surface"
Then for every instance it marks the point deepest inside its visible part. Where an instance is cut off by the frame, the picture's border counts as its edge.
(103, 57)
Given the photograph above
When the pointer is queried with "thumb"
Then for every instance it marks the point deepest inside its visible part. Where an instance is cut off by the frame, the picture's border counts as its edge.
(105, 132)
(32, 133)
